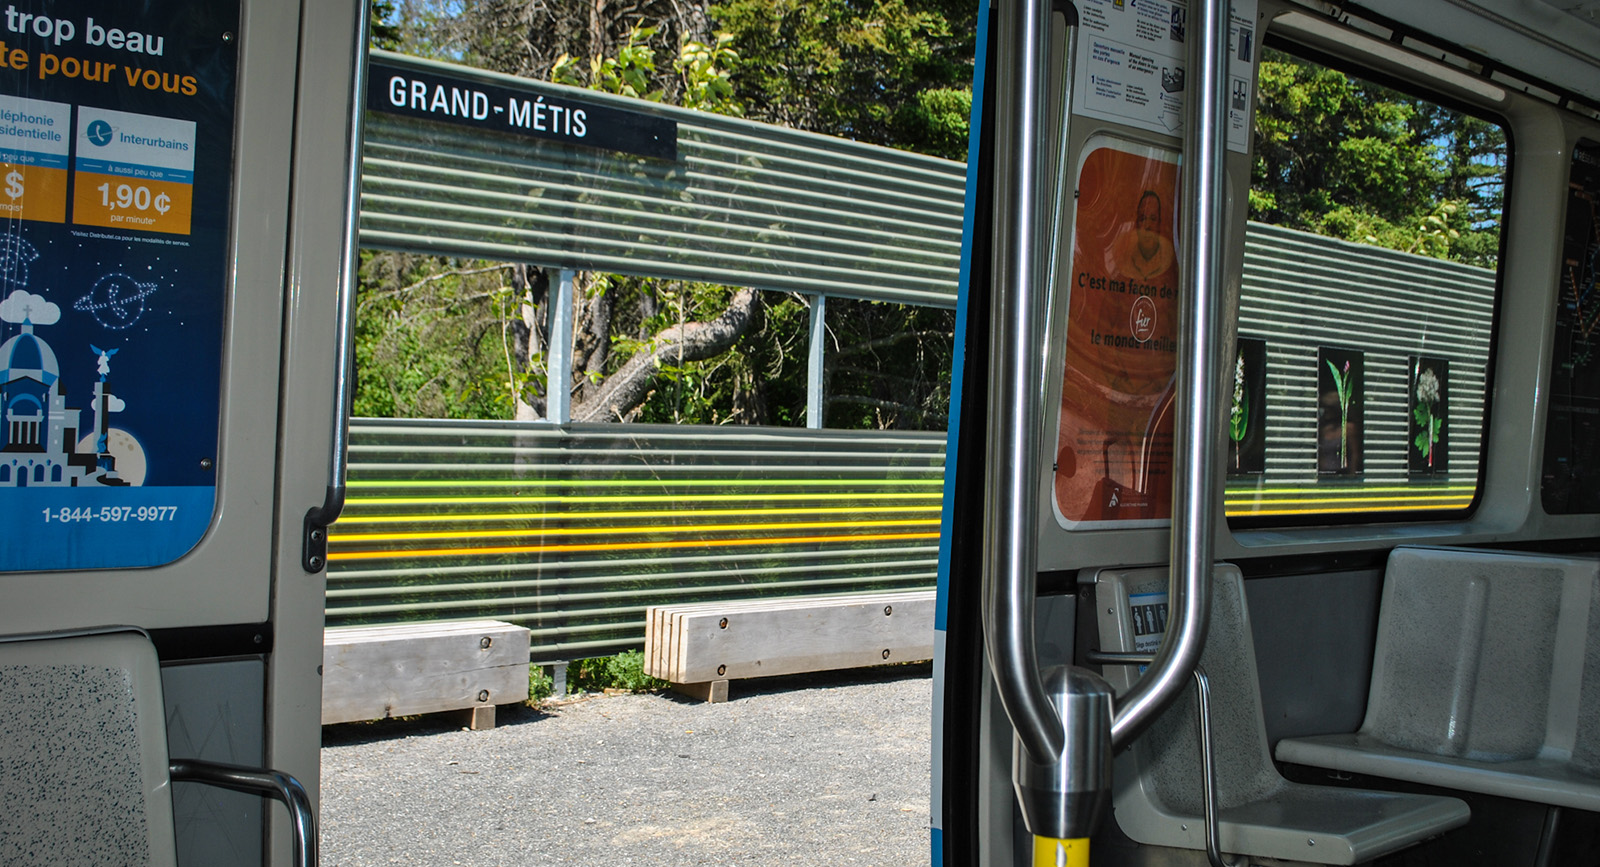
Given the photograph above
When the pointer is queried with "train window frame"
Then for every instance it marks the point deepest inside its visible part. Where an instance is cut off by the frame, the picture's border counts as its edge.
(1362, 514)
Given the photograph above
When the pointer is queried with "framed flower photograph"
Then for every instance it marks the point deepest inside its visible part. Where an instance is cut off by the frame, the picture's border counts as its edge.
(1428, 450)
(1341, 388)
(1247, 411)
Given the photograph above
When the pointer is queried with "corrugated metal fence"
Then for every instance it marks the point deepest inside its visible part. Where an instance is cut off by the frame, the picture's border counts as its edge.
(743, 204)
(572, 531)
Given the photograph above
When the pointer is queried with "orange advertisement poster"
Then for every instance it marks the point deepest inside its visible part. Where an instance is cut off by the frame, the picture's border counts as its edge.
(33, 192)
(123, 203)
(1114, 438)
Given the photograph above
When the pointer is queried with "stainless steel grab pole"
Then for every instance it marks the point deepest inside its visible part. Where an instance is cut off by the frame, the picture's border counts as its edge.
(1011, 492)
(314, 544)
(1197, 423)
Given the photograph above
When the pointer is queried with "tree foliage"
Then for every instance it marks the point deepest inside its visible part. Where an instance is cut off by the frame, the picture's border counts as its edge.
(1340, 156)
(430, 339)
(889, 72)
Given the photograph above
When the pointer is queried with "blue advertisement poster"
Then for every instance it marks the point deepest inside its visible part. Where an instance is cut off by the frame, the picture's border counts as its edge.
(116, 155)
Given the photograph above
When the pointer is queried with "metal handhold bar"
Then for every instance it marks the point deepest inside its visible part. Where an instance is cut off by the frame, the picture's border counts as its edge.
(1208, 767)
(1016, 336)
(1194, 459)
(314, 529)
(260, 781)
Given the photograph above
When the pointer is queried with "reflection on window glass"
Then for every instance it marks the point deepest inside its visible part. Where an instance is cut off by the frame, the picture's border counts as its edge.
(1368, 295)
(1571, 479)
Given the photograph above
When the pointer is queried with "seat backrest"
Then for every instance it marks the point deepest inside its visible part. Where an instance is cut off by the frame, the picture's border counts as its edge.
(1586, 737)
(83, 752)
(1468, 647)
(1132, 616)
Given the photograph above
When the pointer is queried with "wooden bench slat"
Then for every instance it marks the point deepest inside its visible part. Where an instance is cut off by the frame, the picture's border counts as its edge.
(688, 644)
(387, 671)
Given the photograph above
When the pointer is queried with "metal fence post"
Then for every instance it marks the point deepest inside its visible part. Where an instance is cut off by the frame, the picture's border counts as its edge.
(558, 373)
(819, 330)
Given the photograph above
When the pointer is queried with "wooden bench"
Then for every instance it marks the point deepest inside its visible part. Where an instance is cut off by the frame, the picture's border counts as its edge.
(1485, 678)
(377, 672)
(699, 648)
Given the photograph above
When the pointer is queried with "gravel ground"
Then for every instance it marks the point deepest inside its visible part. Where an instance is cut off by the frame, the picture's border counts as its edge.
(821, 769)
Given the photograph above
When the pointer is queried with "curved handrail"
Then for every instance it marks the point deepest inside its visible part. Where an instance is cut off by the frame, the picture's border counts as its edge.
(314, 544)
(260, 781)
(1208, 764)
(1011, 559)
(1194, 458)
(1015, 336)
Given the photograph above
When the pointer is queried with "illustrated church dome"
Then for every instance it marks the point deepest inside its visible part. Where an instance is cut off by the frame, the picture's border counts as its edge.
(27, 357)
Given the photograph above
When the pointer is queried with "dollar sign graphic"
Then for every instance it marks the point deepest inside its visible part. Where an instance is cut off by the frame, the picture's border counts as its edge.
(14, 183)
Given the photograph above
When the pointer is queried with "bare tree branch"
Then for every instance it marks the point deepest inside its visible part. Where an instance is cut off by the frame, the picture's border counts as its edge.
(623, 391)
(890, 340)
(434, 278)
(918, 412)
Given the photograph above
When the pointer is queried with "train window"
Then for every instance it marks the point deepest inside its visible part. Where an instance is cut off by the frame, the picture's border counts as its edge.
(1572, 429)
(1367, 302)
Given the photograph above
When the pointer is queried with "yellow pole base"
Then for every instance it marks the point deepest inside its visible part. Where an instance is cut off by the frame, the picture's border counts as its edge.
(1050, 852)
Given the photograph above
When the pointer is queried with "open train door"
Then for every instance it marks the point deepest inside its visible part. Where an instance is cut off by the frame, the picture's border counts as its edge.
(176, 233)
(1089, 332)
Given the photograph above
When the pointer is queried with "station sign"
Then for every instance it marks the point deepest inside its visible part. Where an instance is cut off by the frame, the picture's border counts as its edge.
(521, 111)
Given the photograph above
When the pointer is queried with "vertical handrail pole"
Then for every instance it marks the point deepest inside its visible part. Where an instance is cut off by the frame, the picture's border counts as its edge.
(314, 542)
(1195, 457)
(1016, 366)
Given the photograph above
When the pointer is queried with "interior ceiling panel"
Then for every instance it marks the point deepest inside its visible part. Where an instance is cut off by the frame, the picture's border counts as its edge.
(1587, 11)
(1533, 37)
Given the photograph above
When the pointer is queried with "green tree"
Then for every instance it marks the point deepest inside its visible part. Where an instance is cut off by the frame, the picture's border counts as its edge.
(1340, 156)
(528, 37)
(385, 25)
(889, 72)
(430, 339)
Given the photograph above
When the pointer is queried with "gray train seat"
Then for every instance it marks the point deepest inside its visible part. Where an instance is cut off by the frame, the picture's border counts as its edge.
(1485, 678)
(1158, 791)
(84, 770)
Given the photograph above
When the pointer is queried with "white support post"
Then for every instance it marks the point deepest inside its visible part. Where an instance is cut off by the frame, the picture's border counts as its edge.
(819, 304)
(558, 370)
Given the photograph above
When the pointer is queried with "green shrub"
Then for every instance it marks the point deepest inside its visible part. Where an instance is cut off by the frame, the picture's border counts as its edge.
(623, 671)
(540, 685)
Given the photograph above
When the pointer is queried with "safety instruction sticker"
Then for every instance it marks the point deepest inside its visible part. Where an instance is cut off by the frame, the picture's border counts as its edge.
(1149, 614)
(1132, 65)
(116, 173)
(34, 138)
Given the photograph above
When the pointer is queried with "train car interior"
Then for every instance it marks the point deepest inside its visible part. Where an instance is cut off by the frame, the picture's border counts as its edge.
(1354, 468)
